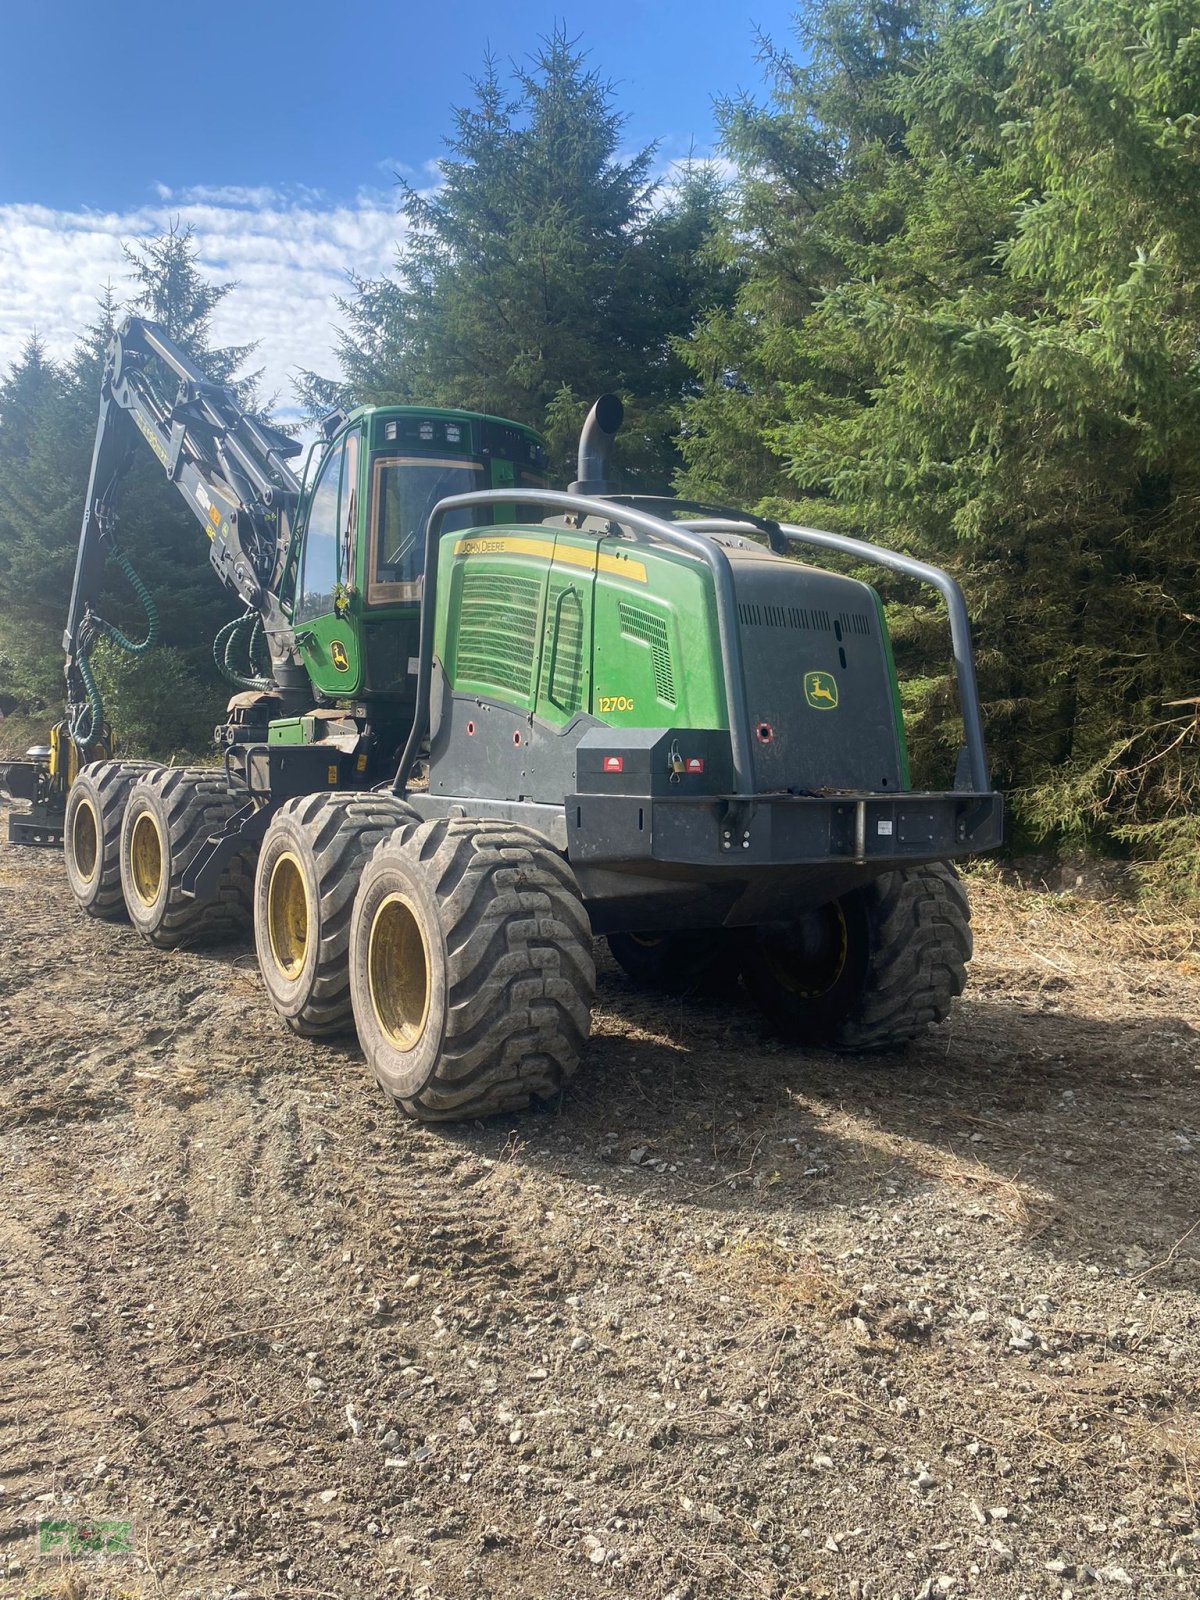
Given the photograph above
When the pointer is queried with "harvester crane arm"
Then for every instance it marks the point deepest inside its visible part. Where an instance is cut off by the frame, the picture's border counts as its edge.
(232, 471)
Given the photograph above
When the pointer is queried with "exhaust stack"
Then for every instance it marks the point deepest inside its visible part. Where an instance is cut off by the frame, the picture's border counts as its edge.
(595, 446)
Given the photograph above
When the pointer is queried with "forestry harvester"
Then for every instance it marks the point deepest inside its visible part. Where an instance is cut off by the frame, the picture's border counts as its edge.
(492, 720)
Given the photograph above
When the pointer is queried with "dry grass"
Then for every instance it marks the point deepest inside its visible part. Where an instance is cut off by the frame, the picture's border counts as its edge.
(1029, 1209)
(786, 1283)
(1073, 931)
(78, 1583)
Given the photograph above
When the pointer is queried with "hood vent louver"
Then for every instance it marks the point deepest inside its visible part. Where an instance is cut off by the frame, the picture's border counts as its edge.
(754, 614)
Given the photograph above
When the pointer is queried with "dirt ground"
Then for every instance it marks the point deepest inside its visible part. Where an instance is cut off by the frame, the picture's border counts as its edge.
(732, 1321)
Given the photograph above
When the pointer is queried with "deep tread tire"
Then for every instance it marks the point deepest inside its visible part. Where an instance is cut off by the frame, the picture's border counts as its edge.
(325, 840)
(508, 977)
(683, 962)
(92, 834)
(184, 807)
(908, 938)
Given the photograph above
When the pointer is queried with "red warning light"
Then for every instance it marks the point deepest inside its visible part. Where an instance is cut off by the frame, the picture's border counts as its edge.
(694, 764)
(614, 763)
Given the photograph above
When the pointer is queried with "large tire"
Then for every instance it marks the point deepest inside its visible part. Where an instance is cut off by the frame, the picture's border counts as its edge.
(92, 834)
(869, 972)
(169, 816)
(471, 969)
(308, 870)
(684, 962)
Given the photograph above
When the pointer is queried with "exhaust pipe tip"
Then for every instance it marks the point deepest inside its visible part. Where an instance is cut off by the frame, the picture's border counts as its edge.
(594, 464)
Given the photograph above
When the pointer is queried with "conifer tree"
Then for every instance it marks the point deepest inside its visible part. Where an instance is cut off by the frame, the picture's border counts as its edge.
(972, 235)
(48, 419)
(38, 500)
(544, 269)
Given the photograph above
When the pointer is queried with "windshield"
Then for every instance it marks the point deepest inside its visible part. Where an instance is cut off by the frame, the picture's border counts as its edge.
(404, 490)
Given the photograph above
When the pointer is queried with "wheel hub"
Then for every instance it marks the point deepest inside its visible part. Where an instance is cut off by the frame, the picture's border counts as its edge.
(398, 971)
(85, 841)
(807, 957)
(288, 915)
(146, 858)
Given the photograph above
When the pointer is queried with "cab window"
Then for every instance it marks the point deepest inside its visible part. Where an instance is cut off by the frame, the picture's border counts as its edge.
(329, 535)
(319, 575)
(348, 513)
(404, 490)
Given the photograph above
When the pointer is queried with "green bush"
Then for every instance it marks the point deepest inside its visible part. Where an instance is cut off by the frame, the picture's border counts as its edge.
(155, 704)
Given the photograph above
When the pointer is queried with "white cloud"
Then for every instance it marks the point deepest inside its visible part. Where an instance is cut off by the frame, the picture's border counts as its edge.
(290, 249)
(290, 252)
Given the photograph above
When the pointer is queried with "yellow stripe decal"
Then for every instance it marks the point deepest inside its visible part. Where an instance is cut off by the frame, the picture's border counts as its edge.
(546, 550)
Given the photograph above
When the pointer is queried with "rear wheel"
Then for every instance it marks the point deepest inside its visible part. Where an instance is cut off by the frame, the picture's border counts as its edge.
(169, 816)
(471, 969)
(308, 870)
(868, 972)
(92, 834)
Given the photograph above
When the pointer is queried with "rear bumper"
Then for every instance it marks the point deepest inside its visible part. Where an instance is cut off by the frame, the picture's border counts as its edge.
(781, 830)
(654, 863)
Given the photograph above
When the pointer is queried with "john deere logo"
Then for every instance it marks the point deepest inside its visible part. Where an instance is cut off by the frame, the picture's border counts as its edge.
(821, 691)
(337, 654)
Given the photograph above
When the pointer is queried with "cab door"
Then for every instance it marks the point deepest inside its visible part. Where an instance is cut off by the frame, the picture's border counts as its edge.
(326, 622)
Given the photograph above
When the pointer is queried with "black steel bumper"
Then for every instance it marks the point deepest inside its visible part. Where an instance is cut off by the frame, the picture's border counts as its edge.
(780, 830)
(657, 862)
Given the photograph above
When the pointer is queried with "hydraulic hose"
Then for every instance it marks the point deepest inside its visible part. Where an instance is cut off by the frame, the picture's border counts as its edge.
(90, 720)
(134, 647)
(228, 640)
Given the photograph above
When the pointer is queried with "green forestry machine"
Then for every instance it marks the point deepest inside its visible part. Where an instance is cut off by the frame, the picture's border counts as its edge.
(493, 720)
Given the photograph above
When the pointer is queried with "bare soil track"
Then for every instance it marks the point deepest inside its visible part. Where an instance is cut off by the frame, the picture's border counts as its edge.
(730, 1321)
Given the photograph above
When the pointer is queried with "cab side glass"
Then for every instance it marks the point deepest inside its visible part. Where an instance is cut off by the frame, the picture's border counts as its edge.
(319, 575)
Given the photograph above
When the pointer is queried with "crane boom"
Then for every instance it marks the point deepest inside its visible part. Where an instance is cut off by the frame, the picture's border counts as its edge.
(327, 572)
(231, 469)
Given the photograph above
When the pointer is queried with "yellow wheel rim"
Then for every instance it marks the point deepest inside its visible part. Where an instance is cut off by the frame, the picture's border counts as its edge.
(146, 858)
(398, 972)
(85, 840)
(288, 915)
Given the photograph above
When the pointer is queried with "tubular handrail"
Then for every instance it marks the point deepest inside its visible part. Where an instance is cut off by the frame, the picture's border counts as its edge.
(638, 522)
(764, 525)
(960, 628)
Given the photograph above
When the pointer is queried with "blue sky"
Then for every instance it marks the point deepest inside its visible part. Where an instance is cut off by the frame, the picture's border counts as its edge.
(274, 131)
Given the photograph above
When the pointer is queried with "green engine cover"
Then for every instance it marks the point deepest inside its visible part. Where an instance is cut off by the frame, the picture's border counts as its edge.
(557, 624)
(543, 631)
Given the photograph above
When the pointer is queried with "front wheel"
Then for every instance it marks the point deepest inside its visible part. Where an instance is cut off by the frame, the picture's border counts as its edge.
(471, 969)
(868, 972)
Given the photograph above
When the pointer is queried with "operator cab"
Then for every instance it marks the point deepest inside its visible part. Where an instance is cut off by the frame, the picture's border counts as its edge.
(357, 558)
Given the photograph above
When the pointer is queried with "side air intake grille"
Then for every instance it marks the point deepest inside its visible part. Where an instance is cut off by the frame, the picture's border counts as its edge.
(498, 625)
(856, 622)
(651, 630)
